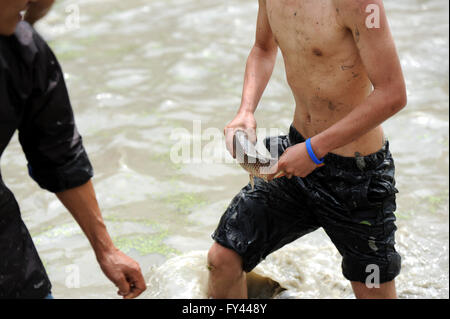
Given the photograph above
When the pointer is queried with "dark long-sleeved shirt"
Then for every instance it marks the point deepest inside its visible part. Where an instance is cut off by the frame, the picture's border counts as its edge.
(34, 100)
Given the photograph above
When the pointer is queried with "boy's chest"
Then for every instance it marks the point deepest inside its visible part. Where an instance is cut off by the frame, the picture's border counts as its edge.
(305, 26)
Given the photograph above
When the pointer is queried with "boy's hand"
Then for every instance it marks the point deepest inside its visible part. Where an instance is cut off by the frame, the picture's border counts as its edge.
(242, 121)
(295, 161)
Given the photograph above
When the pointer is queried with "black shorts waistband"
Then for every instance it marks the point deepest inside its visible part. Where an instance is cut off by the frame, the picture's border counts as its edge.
(360, 163)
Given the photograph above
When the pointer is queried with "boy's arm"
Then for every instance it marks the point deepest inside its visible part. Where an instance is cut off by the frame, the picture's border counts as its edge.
(38, 10)
(259, 68)
(379, 56)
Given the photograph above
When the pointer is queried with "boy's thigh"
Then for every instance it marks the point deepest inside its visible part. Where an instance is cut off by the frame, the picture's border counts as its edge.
(365, 237)
(261, 221)
(355, 204)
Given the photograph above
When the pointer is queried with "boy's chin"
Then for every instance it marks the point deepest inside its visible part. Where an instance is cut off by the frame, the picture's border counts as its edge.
(8, 30)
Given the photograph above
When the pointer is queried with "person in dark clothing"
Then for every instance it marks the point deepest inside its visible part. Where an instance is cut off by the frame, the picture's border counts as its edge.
(34, 100)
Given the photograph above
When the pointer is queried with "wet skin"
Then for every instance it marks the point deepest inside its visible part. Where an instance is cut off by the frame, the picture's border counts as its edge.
(346, 79)
(323, 67)
(332, 59)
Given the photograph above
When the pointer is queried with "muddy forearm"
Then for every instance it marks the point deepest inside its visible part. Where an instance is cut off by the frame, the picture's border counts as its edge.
(82, 204)
(376, 109)
(260, 65)
(38, 10)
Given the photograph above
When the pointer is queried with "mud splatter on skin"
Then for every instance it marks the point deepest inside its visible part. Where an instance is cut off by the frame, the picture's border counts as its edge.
(347, 67)
(331, 106)
(317, 52)
(357, 34)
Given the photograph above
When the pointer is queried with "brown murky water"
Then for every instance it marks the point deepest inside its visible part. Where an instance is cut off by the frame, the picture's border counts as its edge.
(139, 69)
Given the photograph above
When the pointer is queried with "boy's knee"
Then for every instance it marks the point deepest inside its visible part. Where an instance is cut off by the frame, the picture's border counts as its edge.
(221, 259)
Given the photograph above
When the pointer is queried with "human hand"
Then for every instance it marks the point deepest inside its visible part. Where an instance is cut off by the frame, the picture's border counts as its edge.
(295, 161)
(243, 121)
(124, 272)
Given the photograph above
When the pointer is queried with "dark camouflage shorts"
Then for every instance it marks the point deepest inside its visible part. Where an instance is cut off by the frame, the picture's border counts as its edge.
(352, 198)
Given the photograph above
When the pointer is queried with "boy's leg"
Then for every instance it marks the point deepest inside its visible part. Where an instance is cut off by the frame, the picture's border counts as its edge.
(256, 223)
(385, 291)
(361, 221)
(226, 278)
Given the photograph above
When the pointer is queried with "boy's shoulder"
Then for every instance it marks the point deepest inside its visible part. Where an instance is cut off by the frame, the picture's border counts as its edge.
(25, 46)
(26, 62)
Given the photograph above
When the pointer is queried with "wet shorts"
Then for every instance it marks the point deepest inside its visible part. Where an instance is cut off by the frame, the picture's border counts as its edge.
(351, 198)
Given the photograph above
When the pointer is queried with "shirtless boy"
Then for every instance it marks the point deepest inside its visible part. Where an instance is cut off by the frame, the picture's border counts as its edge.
(347, 80)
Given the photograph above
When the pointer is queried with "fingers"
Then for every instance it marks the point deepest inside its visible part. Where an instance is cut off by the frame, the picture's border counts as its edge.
(123, 285)
(279, 175)
(277, 170)
(136, 283)
(229, 137)
(124, 272)
(229, 133)
(251, 134)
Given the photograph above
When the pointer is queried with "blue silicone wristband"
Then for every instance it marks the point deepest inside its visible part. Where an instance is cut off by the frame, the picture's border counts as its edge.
(311, 153)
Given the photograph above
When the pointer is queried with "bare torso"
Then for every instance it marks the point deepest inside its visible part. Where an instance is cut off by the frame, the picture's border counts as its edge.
(323, 67)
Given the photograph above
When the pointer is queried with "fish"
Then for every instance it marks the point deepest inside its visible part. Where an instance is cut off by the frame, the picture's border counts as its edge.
(251, 160)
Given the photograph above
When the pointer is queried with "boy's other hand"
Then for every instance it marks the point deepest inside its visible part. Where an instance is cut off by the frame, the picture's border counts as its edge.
(124, 272)
(295, 161)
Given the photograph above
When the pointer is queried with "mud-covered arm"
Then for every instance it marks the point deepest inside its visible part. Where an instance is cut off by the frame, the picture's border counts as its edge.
(38, 10)
(379, 56)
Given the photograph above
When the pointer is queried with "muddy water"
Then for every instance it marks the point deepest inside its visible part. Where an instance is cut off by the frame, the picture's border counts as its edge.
(139, 69)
